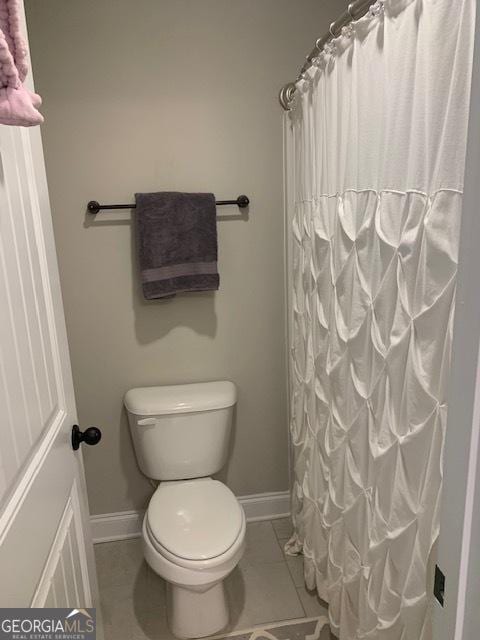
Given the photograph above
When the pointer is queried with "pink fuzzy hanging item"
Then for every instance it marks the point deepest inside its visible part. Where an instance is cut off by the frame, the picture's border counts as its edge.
(18, 105)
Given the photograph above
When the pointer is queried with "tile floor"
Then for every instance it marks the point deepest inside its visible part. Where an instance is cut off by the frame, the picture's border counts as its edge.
(267, 586)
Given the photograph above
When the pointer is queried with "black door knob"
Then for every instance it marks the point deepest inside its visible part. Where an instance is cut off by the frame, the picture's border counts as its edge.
(92, 435)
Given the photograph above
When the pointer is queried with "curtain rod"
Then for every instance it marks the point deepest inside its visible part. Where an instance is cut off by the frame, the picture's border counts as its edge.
(355, 11)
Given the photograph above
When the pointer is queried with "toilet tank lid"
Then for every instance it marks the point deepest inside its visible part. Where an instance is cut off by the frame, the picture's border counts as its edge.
(182, 398)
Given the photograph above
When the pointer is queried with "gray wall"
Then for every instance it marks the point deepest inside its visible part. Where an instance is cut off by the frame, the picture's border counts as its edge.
(171, 95)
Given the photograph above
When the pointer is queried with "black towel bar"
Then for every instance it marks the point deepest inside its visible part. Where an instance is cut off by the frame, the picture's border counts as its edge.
(94, 207)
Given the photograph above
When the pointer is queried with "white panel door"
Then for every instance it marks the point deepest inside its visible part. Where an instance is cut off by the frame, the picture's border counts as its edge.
(46, 555)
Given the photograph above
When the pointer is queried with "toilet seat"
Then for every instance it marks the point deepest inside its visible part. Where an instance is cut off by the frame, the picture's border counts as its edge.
(198, 567)
(196, 524)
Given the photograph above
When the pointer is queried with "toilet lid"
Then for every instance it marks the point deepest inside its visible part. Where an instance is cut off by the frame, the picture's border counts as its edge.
(196, 519)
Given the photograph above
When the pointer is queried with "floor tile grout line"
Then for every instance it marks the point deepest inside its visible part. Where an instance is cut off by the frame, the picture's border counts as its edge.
(291, 574)
(292, 581)
(277, 535)
(301, 603)
(297, 589)
(279, 540)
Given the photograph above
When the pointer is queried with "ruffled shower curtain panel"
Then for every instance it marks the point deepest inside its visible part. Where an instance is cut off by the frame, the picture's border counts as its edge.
(378, 143)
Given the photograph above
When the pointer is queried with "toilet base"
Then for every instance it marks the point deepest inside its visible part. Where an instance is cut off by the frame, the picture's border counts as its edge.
(196, 612)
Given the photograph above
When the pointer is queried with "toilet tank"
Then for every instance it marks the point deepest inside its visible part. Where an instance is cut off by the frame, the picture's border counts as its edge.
(181, 431)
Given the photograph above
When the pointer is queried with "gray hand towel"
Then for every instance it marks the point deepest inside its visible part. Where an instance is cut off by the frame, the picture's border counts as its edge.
(176, 237)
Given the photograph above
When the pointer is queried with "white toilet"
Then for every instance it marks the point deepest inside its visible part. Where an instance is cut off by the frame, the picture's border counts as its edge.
(194, 528)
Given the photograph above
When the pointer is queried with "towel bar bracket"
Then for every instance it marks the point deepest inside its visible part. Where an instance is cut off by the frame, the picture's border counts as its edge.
(95, 207)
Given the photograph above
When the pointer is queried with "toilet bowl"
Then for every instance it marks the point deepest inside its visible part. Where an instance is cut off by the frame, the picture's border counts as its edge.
(194, 528)
(193, 537)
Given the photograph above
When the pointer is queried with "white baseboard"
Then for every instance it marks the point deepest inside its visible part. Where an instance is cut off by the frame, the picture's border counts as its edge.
(108, 527)
(128, 524)
(266, 506)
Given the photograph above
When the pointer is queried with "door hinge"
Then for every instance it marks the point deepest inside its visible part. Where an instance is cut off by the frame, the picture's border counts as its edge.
(439, 585)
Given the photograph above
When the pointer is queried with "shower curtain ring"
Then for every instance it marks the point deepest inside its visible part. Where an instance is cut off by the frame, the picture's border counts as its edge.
(321, 42)
(350, 10)
(331, 30)
(287, 95)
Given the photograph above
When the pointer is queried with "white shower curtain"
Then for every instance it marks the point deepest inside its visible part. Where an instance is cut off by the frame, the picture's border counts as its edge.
(377, 162)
